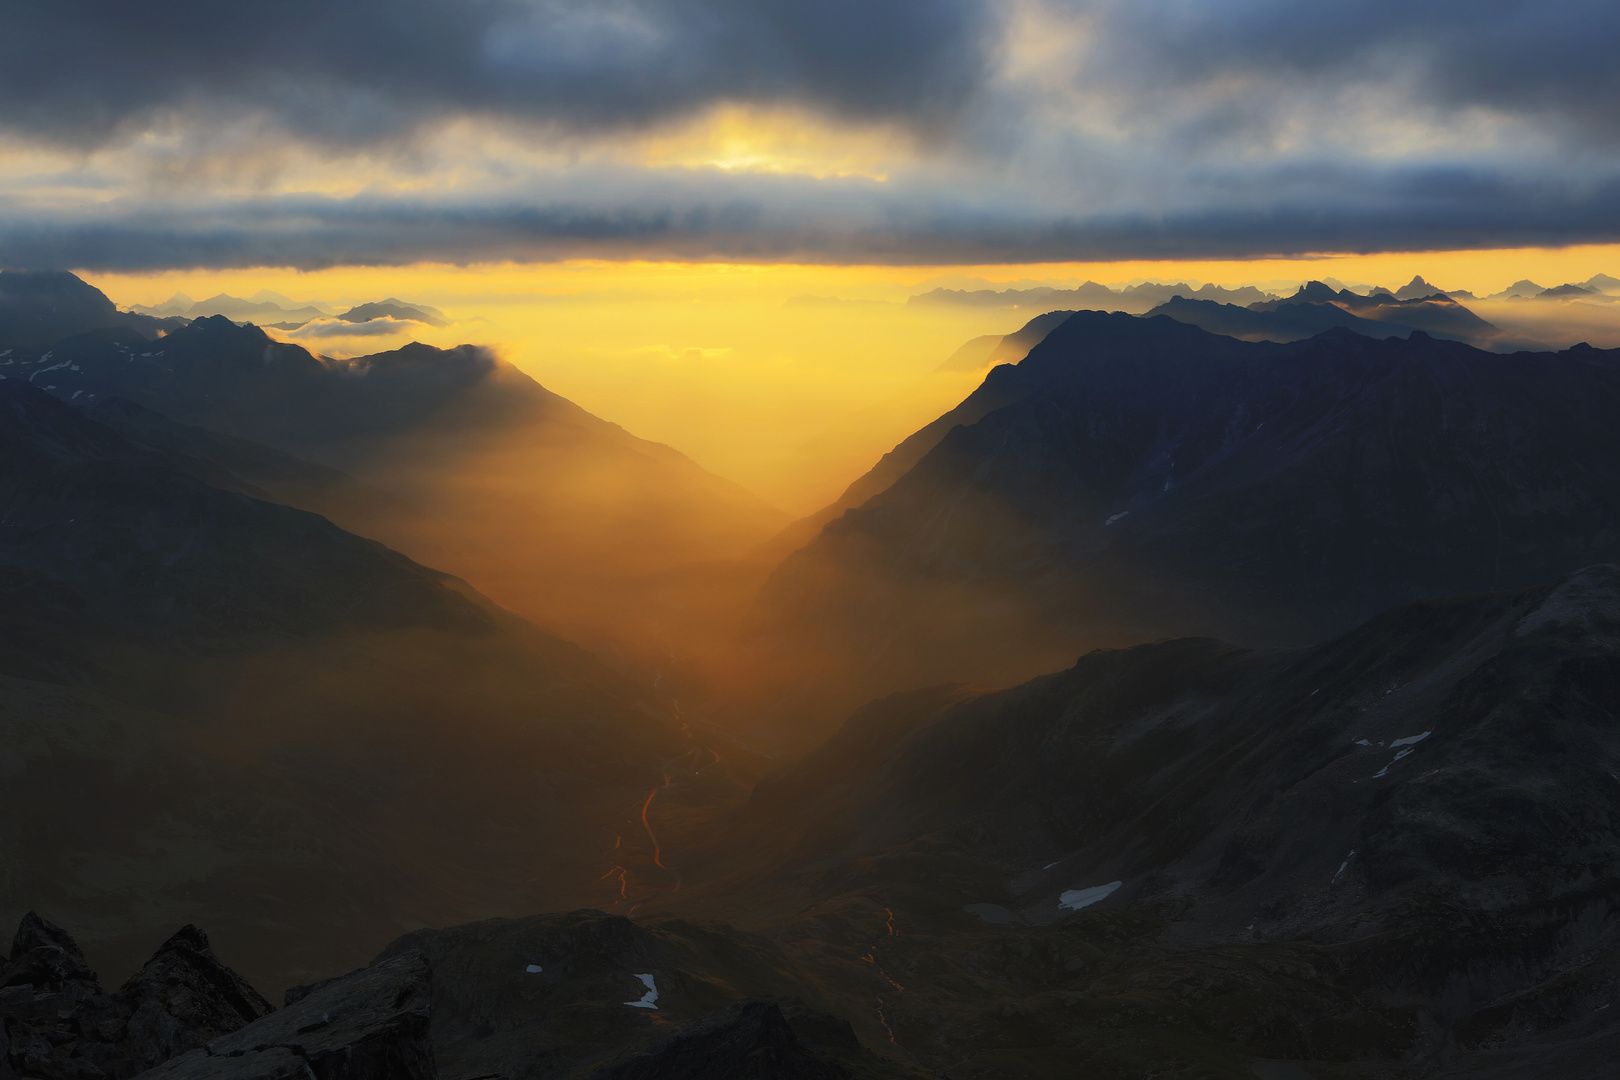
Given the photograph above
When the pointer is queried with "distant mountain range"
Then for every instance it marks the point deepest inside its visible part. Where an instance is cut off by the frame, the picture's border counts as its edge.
(1133, 298)
(1135, 478)
(1597, 287)
(1317, 307)
(274, 310)
(1145, 296)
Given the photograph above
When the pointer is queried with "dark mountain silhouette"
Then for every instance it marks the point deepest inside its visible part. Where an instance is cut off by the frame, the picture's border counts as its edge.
(1006, 349)
(1133, 298)
(39, 307)
(1519, 290)
(1562, 292)
(1417, 289)
(1141, 478)
(556, 513)
(1435, 314)
(324, 739)
(1317, 307)
(264, 311)
(394, 309)
(1286, 322)
(992, 349)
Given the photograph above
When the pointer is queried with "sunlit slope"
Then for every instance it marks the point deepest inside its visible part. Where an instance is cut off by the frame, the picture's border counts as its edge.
(554, 512)
(1400, 848)
(1148, 479)
(977, 354)
(224, 710)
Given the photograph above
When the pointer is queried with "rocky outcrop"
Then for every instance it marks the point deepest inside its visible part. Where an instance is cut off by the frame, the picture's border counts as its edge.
(369, 1025)
(56, 1023)
(747, 1040)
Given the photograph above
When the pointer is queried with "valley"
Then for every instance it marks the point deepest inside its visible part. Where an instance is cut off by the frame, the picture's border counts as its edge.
(1217, 690)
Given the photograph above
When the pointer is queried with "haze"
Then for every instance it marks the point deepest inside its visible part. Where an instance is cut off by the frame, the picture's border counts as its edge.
(809, 539)
(755, 374)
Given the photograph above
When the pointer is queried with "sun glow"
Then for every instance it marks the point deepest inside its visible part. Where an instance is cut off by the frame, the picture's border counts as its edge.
(737, 139)
(789, 379)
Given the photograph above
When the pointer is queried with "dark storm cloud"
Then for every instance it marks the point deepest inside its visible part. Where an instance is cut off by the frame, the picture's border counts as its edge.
(1050, 129)
(1553, 58)
(357, 70)
(1434, 209)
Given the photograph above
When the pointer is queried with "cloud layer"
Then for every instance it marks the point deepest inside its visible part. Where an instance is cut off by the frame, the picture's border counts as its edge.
(313, 132)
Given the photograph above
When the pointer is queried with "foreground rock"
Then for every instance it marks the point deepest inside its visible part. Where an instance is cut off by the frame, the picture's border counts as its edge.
(368, 1025)
(750, 1040)
(553, 996)
(56, 1022)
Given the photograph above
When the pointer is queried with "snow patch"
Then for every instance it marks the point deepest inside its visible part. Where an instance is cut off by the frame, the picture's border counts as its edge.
(1116, 517)
(1075, 899)
(649, 997)
(1343, 865)
(1049, 865)
(1411, 740)
(533, 969)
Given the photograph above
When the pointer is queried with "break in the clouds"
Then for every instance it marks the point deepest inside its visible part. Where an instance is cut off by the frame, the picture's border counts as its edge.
(312, 132)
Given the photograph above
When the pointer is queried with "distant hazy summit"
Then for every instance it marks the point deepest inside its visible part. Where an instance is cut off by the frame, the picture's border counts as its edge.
(272, 309)
(1135, 299)
(1140, 298)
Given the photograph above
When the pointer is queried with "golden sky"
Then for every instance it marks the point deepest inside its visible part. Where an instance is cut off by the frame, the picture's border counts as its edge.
(729, 364)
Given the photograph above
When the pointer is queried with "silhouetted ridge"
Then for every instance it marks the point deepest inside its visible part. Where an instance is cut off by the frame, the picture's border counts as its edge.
(1143, 478)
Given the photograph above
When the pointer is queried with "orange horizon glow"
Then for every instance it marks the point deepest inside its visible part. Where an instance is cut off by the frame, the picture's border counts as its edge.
(791, 401)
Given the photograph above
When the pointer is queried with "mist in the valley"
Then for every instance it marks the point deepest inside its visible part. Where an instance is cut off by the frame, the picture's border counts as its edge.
(696, 435)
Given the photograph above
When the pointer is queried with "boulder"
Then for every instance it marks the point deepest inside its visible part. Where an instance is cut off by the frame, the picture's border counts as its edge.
(56, 1023)
(371, 1024)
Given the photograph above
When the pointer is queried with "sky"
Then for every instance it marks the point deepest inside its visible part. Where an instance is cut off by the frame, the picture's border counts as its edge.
(146, 134)
(629, 197)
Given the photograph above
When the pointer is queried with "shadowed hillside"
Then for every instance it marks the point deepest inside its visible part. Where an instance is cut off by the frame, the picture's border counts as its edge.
(1137, 478)
(221, 709)
(557, 514)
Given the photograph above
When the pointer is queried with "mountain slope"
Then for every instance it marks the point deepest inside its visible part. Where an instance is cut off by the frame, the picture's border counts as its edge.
(1394, 854)
(1150, 479)
(554, 512)
(1001, 351)
(1398, 849)
(1282, 322)
(39, 307)
(1316, 308)
(221, 708)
